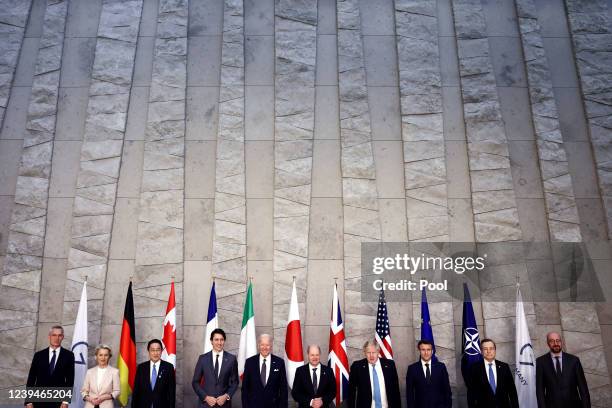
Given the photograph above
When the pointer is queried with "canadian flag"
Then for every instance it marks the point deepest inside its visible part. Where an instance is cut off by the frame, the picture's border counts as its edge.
(294, 354)
(169, 338)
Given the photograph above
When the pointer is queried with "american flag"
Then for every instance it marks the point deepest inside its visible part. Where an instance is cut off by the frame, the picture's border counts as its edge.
(383, 332)
(338, 358)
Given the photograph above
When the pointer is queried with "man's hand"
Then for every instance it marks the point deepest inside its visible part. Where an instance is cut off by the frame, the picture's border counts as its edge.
(222, 399)
(64, 405)
(211, 401)
(317, 403)
(29, 405)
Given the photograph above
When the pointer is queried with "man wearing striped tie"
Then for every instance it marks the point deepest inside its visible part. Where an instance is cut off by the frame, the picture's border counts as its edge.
(373, 381)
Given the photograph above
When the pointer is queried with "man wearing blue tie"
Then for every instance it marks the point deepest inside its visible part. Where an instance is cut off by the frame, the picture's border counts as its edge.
(155, 382)
(427, 384)
(491, 383)
(373, 381)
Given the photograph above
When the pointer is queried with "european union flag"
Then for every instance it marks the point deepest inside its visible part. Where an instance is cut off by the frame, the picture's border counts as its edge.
(426, 330)
(471, 337)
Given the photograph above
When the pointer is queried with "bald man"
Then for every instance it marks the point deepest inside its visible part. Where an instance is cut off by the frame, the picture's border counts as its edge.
(560, 381)
(264, 384)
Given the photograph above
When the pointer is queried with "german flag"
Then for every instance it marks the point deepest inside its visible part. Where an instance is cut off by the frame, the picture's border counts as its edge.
(127, 350)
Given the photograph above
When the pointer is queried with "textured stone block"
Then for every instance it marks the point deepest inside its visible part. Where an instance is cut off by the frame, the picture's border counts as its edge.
(327, 124)
(259, 60)
(202, 113)
(380, 60)
(200, 169)
(15, 115)
(204, 63)
(199, 215)
(65, 167)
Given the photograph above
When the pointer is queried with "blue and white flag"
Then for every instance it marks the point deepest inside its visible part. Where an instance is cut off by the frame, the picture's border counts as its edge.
(426, 329)
(79, 348)
(471, 337)
(212, 321)
(525, 374)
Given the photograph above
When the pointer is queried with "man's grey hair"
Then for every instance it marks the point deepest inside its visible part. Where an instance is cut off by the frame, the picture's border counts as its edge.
(56, 327)
(262, 335)
(369, 343)
(313, 345)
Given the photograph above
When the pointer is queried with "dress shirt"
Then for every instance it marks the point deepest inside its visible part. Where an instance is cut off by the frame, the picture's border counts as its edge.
(554, 360)
(310, 368)
(57, 351)
(156, 368)
(268, 363)
(100, 375)
(214, 358)
(486, 363)
(425, 368)
(381, 384)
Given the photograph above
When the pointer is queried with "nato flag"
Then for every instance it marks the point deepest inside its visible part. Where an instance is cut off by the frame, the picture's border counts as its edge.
(471, 338)
(426, 331)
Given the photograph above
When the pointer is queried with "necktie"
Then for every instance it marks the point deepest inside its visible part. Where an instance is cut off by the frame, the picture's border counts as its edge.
(153, 377)
(52, 363)
(263, 373)
(427, 372)
(377, 399)
(217, 367)
(491, 378)
(558, 366)
(314, 380)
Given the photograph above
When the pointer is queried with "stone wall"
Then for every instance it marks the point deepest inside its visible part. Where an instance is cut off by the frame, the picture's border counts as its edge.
(200, 140)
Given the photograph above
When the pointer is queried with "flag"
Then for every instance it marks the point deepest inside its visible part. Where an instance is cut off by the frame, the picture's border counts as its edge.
(383, 332)
(169, 336)
(294, 354)
(471, 337)
(248, 340)
(426, 330)
(525, 377)
(79, 348)
(338, 358)
(126, 363)
(212, 321)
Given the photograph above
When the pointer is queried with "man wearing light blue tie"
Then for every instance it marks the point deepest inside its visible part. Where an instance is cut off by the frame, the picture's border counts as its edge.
(155, 382)
(373, 381)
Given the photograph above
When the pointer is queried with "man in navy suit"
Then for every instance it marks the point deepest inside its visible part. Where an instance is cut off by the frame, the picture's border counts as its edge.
(427, 384)
(215, 378)
(491, 383)
(155, 382)
(377, 372)
(314, 384)
(52, 367)
(264, 384)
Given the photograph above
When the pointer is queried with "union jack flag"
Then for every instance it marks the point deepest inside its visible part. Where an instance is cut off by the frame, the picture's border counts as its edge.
(338, 358)
(383, 332)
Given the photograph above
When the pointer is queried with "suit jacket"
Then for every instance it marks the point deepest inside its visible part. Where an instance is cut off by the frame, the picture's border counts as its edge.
(274, 394)
(163, 395)
(480, 394)
(303, 390)
(435, 393)
(109, 385)
(360, 390)
(227, 383)
(62, 376)
(569, 391)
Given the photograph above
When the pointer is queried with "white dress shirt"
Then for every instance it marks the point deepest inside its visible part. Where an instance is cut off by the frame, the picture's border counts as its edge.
(57, 351)
(381, 384)
(425, 368)
(554, 360)
(157, 364)
(486, 363)
(318, 367)
(214, 358)
(268, 363)
(100, 375)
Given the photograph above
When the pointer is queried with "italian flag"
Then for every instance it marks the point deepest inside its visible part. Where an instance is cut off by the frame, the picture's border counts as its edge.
(248, 340)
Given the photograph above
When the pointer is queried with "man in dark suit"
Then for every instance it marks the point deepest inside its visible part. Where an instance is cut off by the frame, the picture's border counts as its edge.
(52, 367)
(314, 384)
(427, 384)
(560, 381)
(264, 384)
(215, 378)
(491, 383)
(377, 372)
(155, 382)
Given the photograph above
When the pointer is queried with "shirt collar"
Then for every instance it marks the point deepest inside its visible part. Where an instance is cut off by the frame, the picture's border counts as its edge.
(428, 362)
(318, 367)
(376, 364)
(489, 362)
(268, 358)
(220, 353)
(553, 355)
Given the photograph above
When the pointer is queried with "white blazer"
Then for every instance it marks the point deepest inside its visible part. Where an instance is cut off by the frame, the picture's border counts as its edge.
(109, 385)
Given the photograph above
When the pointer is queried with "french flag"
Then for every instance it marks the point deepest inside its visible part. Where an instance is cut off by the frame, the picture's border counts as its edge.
(212, 321)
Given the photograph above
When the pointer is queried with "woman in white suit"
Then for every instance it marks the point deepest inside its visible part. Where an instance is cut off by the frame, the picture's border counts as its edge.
(101, 385)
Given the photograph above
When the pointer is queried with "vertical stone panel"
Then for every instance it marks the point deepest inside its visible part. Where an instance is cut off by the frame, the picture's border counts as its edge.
(13, 19)
(590, 26)
(22, 268)
(359, 189)
(295, 43)
(229, 238)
